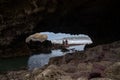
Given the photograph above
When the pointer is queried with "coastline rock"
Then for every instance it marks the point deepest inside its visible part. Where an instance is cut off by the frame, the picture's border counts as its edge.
(14, 75)
(82, 78)
(19, 19)
(51, 73)
(101, 79)
(76, 66)
(36, 37)
(40, 47)
(113, 71)
(85, 67)
(106, 52)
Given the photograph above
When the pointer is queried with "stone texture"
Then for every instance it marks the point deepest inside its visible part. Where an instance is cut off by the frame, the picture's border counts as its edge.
(51, 73)
(85, 67)
(101, 79)
(18, 19)
(113, 71)
(73, 67)
(82, 78)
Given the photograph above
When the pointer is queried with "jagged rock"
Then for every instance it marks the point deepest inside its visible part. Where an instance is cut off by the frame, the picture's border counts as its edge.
(51, 73)
(77, 65)
(40, 47)
(101, 79)
(68, 68)
(82, 78)
(36, 71)
(68, 58)
(107, 52)
(16, 75)
(113, 71)
(19, 19)
(85, 67)
(56, 60)
(66, 78)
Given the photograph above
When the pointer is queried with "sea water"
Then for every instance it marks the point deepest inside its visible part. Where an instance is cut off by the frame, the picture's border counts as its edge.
(41, 59)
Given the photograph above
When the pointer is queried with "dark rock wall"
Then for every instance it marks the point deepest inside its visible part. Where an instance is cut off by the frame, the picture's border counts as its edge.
(20, 18)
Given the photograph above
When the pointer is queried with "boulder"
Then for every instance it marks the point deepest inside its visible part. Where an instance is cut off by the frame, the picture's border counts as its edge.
(39, 43)
(36, 37)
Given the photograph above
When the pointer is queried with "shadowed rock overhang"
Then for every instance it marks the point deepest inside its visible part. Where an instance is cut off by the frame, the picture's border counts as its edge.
(97, 18)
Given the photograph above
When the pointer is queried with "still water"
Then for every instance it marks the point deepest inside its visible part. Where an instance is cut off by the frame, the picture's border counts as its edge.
(13, 63)
(40, 59)
(33, 61)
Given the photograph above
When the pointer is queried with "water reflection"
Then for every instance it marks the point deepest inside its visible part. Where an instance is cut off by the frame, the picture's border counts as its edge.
(39, 60)
(42, 59)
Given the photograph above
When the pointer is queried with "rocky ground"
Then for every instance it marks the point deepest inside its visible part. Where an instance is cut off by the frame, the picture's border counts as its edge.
(98, 18)
(98, 63)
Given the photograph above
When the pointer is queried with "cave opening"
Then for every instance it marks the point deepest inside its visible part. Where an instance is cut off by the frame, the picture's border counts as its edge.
(75, 43)
(60, 38)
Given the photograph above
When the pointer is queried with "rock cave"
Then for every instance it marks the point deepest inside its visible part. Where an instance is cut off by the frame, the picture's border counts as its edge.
(19, 19)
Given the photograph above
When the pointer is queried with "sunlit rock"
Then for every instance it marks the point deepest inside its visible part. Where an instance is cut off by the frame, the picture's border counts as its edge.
(39, 43)
(37, 37)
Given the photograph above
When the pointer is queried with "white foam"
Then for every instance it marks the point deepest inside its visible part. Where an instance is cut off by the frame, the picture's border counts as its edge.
(72, 39)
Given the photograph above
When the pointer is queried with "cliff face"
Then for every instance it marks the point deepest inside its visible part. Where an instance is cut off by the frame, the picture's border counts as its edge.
(18, 19)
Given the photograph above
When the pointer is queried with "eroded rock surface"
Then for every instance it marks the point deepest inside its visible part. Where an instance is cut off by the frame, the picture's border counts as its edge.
(18, 19)
(84, 65)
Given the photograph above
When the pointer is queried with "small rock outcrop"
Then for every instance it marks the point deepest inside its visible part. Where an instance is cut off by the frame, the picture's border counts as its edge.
(38, 43)
(41, 47)
(36, 37)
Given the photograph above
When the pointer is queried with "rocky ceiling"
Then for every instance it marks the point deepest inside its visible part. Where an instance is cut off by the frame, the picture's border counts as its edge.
(20, 18)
